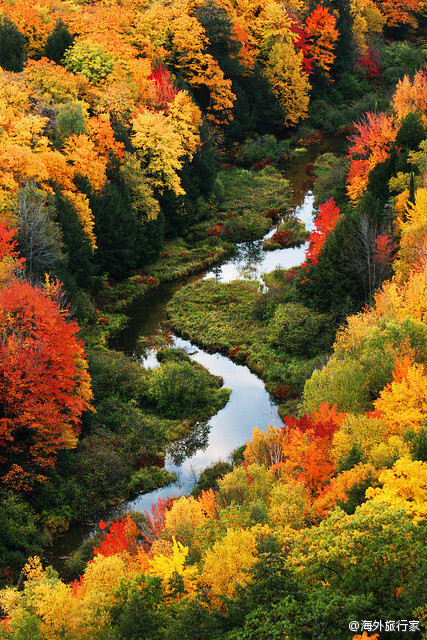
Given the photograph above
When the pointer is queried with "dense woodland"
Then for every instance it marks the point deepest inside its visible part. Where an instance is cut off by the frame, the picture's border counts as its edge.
(140, 141)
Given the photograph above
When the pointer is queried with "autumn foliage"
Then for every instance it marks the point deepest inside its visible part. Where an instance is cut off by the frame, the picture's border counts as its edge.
(322, 34)
(44, 384)
(325, 222)
(370, 145)
(121, 537)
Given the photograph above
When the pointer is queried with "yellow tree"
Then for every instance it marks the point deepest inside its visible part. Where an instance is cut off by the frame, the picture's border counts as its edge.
(165, 566)
(403, 486)
(226, 564)
(411, 96)
(414, 230)
(284, 71)
(403, 403)
(183, 518)
(159, 148)
(186, 119)
(51, 81)
(404, 298)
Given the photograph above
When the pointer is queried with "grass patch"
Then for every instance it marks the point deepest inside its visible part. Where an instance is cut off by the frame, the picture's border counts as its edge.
(277, 337)
(180, 258)
(242, 189)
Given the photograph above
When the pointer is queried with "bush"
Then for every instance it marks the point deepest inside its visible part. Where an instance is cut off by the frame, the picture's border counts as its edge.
(19, 537)
(263, 148)
(149, 479)
(71, 118)
(179, 389)
(300, 331)
(209, 477)
(398, 59)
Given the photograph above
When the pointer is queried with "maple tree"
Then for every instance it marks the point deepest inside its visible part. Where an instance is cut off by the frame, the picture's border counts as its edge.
(370, 145)
(404, 486)
(182, 519)
(402, 12)
(402, 298)
(162, 90)
(10, 261)
(325, 222)
(285, 72)
(411, 97)
(320, 26)
(51, 81)
(403, 402)
(44, 384)
(121, 537)
(226, 564)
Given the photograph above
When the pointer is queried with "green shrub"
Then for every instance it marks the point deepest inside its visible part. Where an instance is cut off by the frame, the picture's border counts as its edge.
(71, 118)
(300, 331)
(209, 477)
(254, 150)
(168, 354)
(400, 58)
(19, 536)
(150, 478)
(178, 389)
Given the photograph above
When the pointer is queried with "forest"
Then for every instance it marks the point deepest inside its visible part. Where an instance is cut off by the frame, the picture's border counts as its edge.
(141, 142)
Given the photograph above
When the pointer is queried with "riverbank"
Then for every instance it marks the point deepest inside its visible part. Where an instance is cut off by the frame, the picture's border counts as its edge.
(245, 205)
(270, 331)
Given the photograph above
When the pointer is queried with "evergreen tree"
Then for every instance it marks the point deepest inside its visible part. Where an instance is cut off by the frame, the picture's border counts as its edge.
(12, 46)
(118, 232)
(79, 268)
(58, 42)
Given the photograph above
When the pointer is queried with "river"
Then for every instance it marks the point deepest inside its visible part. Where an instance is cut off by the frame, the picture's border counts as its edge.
(249, 406)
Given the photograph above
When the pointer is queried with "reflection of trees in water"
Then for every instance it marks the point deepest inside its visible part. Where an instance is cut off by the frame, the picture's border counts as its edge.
(197, 439)
(247, 257)
(217, 271)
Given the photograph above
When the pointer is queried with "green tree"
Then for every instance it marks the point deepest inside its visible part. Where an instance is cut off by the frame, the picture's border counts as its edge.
(12, 46)
(58, 42)
(90, 60)
(117, 230)
(71, 118)
(19, 535)
(79, 267)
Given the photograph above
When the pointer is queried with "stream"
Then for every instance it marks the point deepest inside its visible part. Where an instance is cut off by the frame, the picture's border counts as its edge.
(249, 406)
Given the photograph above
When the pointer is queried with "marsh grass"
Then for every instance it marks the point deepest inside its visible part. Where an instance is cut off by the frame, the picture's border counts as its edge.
(245, 323)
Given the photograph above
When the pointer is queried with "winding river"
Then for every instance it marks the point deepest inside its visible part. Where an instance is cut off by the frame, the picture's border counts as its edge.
(250, 405)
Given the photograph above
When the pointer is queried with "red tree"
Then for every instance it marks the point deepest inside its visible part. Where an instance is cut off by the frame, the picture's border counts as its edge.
(326, 219)
(121, 537)
(161, 88)
(44, 384)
